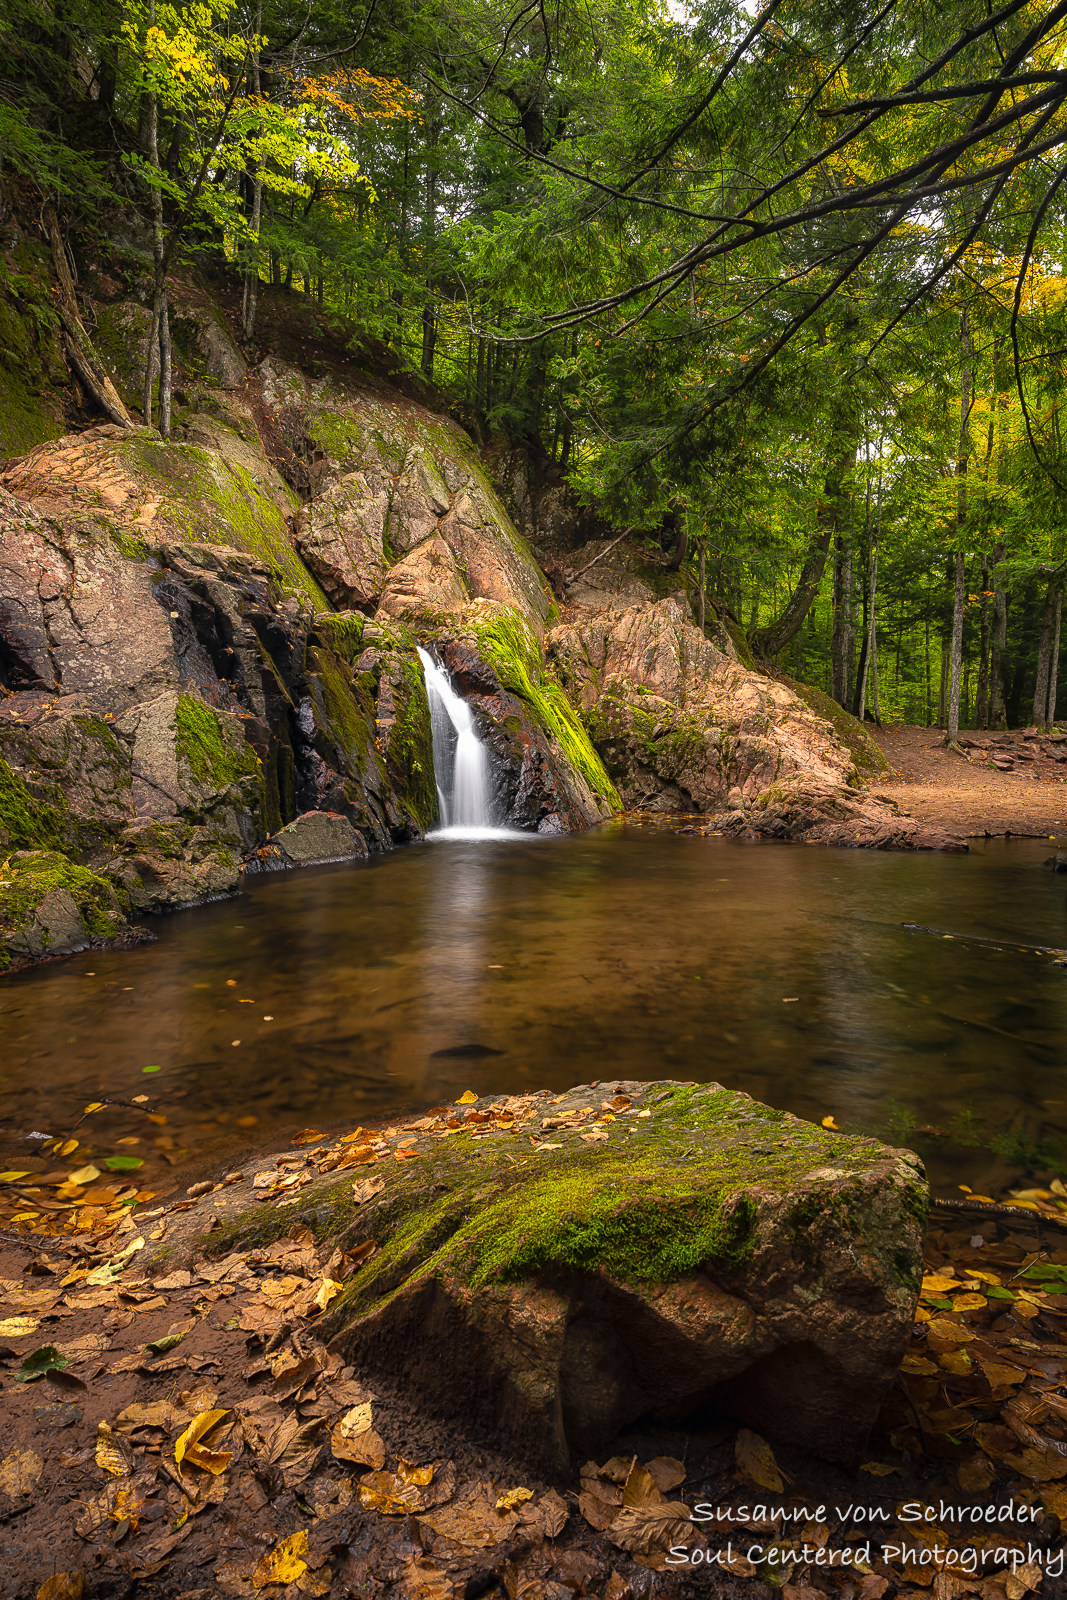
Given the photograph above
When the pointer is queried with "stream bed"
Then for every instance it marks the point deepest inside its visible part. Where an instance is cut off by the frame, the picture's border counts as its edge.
(339, 994)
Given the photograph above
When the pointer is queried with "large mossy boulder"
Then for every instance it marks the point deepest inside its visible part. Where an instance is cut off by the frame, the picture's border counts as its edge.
(548, 1270)
(49, 906)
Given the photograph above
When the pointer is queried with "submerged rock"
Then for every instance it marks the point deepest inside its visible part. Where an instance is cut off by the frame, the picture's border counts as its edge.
(557, 1268)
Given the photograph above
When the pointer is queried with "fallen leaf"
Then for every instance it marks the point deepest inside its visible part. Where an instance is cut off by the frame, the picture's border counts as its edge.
(389, 1494)
(19, 1473)
(18, 1327)
(513, 1499)
(63, 1586)
(84, 1175)
(419, 1579)
(877, 1469)
(189, 1447)
(111, 1451)
(367, 1189)
(123, 1163)
(950, 1332)
(284, 1563)
(466, 1098)
(828, 1122)
(918, 1366)
(641, 1488)
(46, 1359)
(755, 1460)
(648, 1533)
(667, 1472)
(307, 1136)
(975, 1474)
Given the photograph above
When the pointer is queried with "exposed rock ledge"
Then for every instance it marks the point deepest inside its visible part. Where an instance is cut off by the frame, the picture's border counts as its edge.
(546, 1270)
(682, 727)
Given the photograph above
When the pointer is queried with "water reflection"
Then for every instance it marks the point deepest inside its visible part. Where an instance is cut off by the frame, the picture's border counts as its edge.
(327, 996)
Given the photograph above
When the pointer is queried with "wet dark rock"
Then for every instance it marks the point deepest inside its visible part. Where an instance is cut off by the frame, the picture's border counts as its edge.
(536, 788)
(1058, 862)
(315, 837)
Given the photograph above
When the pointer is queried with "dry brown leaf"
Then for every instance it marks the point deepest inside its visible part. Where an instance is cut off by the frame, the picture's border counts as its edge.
(648, 1533)
(367, 1189)
(19, 1473)
(641, 1488)
(667, 1472)
(975, 1474)
(354, 1439)
(421, 1580)
(598, 1513)
(385, 1492)
(1021, 1580)
(1040, 1466)
(551, 1513)
(18, 1327)
(755, 1461)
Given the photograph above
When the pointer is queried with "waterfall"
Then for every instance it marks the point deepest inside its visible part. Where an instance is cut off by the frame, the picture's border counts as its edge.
(459, 756)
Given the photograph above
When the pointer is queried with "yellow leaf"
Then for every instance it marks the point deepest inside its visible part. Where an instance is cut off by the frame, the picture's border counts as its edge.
(755, 1459)
(877, 1469)
(87, 1174)
(951, 1332)
(513, 1499)
(466, 1098)
(284, 1562)
(68, 1148)
(353, 1138)
(12, 1177)
(201, 1424)
(918, 1365)
(63, 1586)
(936, 1283)
(307, 1136)
(969, 1302)
(408, 1472)
(94, 1105)
(19, 1473)
(329, 1289)
(108, 1453)
(1000, 1373)
(828, 1122)
(18, 1327)
(958, 1362)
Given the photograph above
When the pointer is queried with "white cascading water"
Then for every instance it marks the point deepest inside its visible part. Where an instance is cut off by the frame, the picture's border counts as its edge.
(459, 756)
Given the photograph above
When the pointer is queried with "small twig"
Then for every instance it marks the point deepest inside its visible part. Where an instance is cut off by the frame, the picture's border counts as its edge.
(572, 577)
(994, 1209)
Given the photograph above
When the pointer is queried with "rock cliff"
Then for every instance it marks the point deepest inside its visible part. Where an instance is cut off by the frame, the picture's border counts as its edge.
(202, 641)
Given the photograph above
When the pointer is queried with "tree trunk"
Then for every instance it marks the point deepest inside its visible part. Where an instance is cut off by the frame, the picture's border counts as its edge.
(959, 594)
(869, 663)
(251, 283)
(703, 597)
(1054, 660)
(1044, 651)
(842, 642)
(981, 709)
(998, 715)
(831, 516)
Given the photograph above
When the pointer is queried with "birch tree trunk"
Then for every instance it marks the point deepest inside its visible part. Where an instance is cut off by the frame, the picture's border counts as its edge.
(981, 709)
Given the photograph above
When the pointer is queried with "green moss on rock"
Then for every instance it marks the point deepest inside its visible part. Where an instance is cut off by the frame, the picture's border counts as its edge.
(867, 754)
(199, 740)
(507, 642)
(27, 879)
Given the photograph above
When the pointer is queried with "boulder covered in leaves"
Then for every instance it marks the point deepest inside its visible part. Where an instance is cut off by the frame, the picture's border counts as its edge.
(548, 1270)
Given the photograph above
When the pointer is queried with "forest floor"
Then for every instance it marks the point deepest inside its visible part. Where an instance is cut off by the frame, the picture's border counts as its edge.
(965, 794)
(98, 1501)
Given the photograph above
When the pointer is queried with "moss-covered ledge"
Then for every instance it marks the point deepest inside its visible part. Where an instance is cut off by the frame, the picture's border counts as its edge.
(550, 1269)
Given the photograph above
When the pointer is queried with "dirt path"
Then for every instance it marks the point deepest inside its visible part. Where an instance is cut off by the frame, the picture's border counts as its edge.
(966, 794)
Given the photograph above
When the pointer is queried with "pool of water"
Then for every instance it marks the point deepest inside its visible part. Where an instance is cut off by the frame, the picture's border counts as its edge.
(345, 993)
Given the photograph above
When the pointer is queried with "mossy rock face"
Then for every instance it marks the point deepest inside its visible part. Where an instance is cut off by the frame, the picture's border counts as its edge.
(656, 1248)
(49, 905)
(867, 753)
(548, 777)
(31, 356)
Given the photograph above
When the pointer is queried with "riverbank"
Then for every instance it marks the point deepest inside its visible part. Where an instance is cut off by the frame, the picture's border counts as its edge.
(965, 794)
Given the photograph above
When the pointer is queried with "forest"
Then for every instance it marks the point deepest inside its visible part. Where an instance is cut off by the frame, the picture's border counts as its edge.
(782, 291)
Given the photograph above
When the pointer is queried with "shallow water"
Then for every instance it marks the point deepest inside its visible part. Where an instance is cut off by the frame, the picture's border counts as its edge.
(345, 993)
